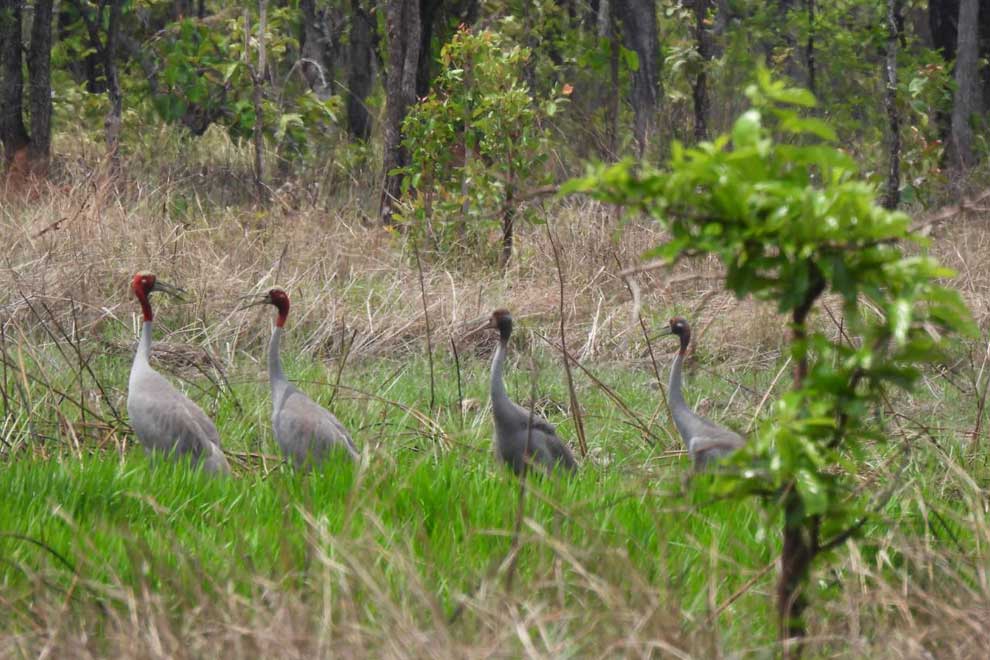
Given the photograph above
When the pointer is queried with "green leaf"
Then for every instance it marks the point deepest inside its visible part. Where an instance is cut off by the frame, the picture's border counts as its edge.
(900, 319)
(229, 70)
(746, 130)
(810, 126)
(793, 96)
(630, 57)
(813, 493)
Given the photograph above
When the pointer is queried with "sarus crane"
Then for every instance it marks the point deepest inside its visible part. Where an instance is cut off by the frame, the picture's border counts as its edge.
(164, 419)
(306, 432)
(706, 441)
(521, 437)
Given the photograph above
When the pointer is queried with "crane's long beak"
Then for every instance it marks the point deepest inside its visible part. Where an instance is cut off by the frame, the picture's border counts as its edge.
(485, 326)
(253, 300)
(664, 332)
(170, 289)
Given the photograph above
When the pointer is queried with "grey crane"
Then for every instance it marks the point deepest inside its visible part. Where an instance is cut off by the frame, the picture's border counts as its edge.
(306, 432)
(706, 441)
(164, 419)
(518, 442)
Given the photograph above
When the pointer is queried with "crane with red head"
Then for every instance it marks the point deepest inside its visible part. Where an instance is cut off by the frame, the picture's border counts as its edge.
(165, 420)
(306, 432)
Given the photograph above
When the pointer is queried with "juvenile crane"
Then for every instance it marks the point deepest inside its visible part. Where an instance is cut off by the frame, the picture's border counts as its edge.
(306, 432)
(164, 419)
(521, 438)
(706, 441)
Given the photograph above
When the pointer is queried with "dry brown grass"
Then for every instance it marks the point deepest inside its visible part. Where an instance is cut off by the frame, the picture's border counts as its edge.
(72, 248)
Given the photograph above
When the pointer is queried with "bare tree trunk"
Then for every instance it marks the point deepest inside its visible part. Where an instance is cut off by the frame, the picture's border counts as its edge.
(892, 195)
(798, 551)
(966, 102)
(182, 8)
(801, 532)
(508, 226)
(612, 106)
(942, 18)
(428, 12)
(316, 51)
(258, 80)
(40, 86)
(13, 134)
(639, 28)
(113, 119)
(359, 72)
(790, 64)
(402, 24)
(809, 49)
(700, 87)
(984, 46)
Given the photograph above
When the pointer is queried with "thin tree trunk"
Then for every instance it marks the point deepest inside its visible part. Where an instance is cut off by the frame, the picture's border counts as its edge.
(799, 548)
(428, 12)
(258, 79)
(639, 28)
(403, 28)
(966, 102)
(809, 49)
(942, 17)
(790, 65)
(182, 9)
(468, 156)
(113, 118)
(12, 131)
(892, 195)
(984, 47)
(508, 227)
(800, 533)
(612, 107)
(316, 54)
(40, 86)
(359, 72)
(700, 86)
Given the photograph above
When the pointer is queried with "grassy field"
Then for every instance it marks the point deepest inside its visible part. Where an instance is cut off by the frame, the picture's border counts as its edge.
(427, 548)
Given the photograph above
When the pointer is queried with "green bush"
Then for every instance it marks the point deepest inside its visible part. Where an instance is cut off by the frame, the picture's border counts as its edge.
(790, 220)
(475, 145)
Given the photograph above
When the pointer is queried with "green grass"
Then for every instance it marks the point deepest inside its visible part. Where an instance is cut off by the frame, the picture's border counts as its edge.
(427, 519)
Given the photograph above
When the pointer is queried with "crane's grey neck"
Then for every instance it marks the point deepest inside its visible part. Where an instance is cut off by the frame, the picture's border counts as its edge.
(499, 396)
(678, 407)
(503, 410)
(505, 328)
(144, 344)
(498, 365)
(275, 374)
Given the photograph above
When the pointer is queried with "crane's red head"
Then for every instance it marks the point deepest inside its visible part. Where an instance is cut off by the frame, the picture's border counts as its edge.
(501, 320)
(680, 327)
(142, 284)
(280, 300)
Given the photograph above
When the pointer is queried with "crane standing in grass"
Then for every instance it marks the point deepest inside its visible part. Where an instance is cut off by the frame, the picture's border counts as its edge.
(521, 437)
(164, 419)
(706, 441)
(305, 431)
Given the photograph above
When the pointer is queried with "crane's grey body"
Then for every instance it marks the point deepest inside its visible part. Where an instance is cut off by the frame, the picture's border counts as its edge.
(306, 432)
(705, 440)
(165, 420)
(521, 437)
